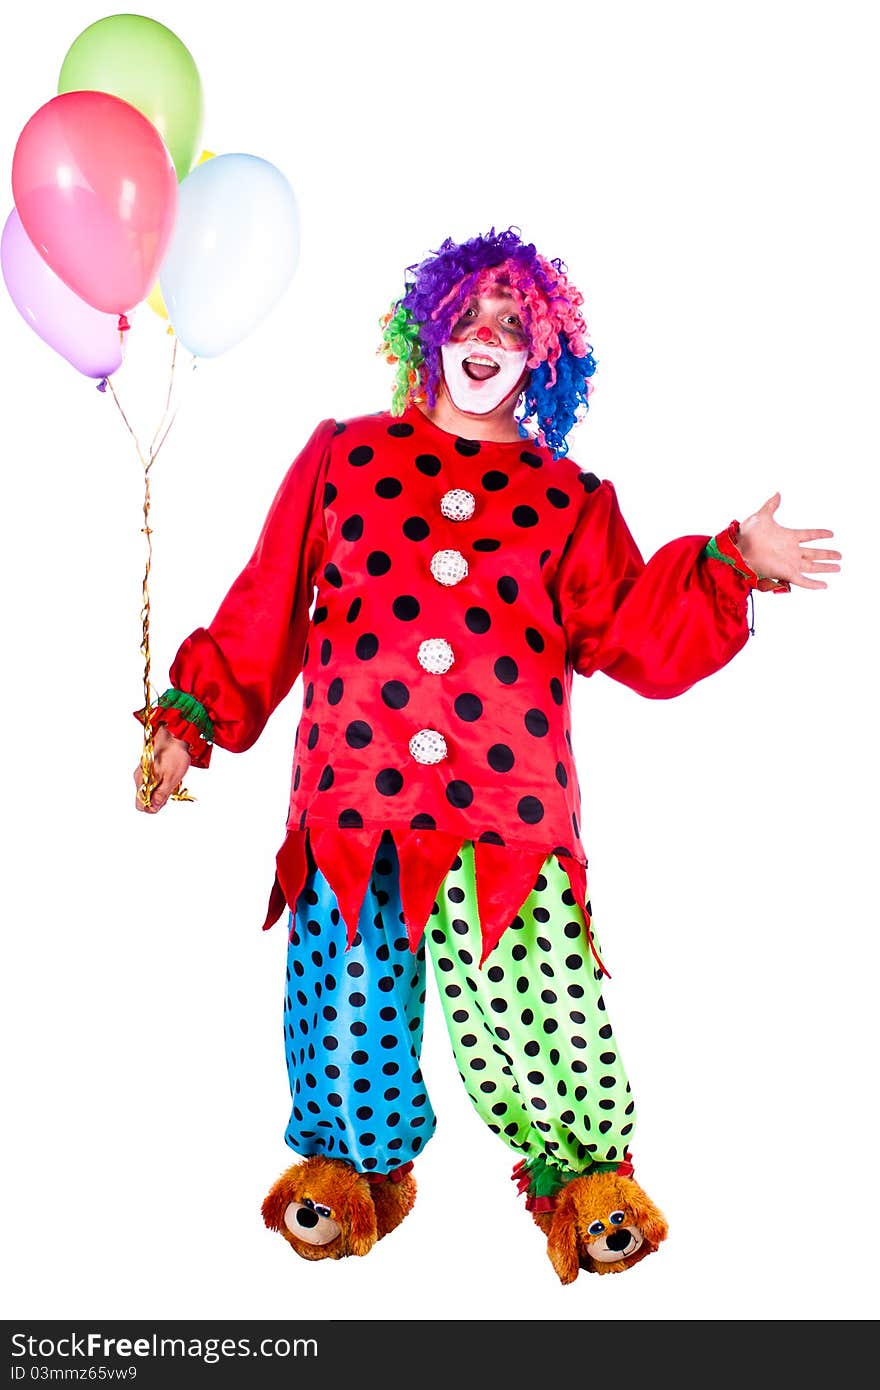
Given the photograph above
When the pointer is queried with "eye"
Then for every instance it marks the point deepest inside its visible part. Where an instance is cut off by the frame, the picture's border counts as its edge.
(307, 1202)
(322, 1211)
(595, 1228)
(617, 1218)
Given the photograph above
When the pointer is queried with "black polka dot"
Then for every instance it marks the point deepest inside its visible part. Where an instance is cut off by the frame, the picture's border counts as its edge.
(459, 793)
(313, 736)
(557, 498)
(537, 722)
(500, 757)
(334, 691)
(330, 491)
(534, 639)
(389, 487)
(428, 464)
(326, 650)
(366, 646)
(358, 734)
(415, 528)
(332, 575)
(491, 837)
(352, 528)
(588, 481)
(468, 707)
(533, 460)
(506, 670)
(378, 562)
(406, 608)
(389, 781)
(477, 620)
(494, 480)
(507, 589)
(353, 611)
(486, 543)
(360, 455)
(401, 430)
(561, 775)
(423, 822)
(525, 516)
(530, 810)
(350, 819)
(395, 694)
(467, 447)
(319, 615)
(556, 690)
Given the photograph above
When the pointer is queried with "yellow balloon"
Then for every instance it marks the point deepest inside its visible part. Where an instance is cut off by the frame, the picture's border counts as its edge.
(156, 302)
(154, 298)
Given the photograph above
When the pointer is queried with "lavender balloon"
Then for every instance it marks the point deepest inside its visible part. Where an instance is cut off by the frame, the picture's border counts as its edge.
(88, 338)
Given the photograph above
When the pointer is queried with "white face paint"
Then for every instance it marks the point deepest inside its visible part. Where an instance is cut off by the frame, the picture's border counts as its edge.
(479, 376)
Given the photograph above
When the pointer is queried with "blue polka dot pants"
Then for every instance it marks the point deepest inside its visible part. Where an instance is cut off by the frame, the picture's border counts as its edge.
(530, 1031)
(353, 1023)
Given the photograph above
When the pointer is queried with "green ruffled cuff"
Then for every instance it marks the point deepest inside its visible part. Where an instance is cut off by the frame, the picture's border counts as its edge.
(189, 707)
(714, 553)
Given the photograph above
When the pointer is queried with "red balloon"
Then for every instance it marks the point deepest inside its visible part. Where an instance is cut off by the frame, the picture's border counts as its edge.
(96, 191)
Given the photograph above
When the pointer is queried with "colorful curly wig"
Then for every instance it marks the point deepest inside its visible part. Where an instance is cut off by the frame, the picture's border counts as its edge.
(560, 359)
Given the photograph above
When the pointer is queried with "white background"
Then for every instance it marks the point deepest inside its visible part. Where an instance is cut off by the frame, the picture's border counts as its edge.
(708, 173)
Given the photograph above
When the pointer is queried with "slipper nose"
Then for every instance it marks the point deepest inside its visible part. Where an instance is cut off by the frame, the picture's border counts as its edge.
(306, 1218)
(618, 1240)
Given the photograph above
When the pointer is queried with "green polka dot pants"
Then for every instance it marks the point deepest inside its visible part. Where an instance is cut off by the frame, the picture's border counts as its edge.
(530, 1032)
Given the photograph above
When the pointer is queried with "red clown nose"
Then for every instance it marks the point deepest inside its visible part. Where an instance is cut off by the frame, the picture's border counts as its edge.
(484, 334)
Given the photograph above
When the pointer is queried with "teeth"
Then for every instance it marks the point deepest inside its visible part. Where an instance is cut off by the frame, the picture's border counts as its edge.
(480, 359)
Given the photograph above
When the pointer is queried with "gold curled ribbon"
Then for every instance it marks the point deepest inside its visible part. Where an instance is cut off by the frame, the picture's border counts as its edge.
(149, 780)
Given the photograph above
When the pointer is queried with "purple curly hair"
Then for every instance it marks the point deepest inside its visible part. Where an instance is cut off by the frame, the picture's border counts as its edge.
(560, 359)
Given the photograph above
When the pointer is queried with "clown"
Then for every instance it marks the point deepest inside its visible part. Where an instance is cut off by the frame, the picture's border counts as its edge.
(438, 574)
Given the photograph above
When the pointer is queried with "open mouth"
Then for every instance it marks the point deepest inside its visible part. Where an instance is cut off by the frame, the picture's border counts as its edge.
(478, 367)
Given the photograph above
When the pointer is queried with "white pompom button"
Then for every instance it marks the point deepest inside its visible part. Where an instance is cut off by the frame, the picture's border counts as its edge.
(436, 655)
(427, 746)
(458, 504)
(449, 567)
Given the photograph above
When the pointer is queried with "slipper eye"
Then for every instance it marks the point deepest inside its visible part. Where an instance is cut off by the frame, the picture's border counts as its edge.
(617, 1218)
(595, 1228)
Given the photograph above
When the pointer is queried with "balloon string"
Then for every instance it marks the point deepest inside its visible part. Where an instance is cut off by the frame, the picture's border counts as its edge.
(167, 398)
(149, 781)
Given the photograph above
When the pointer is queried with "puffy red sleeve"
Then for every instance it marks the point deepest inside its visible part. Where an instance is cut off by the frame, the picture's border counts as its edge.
(242, 665)
(658, 627)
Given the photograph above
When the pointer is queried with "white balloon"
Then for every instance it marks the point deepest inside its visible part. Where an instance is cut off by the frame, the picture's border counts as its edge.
(233, 252)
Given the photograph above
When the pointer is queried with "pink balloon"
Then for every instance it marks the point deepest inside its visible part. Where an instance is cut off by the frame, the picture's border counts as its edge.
(96, 191)
(89, 339)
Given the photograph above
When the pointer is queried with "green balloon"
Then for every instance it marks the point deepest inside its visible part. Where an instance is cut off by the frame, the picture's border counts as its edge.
(145, 64)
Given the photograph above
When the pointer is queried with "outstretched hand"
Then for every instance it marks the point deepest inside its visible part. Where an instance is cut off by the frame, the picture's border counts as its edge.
(780, 552)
